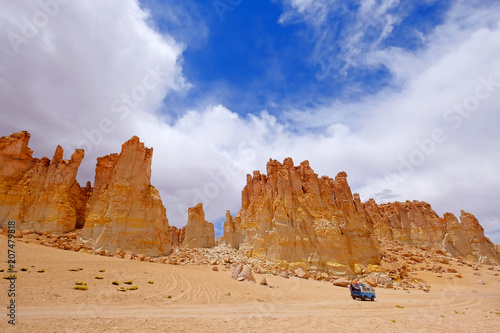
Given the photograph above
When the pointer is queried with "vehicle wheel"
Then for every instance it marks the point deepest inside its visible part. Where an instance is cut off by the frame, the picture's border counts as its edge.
(353, 297)
(364, 298)
(373, 298)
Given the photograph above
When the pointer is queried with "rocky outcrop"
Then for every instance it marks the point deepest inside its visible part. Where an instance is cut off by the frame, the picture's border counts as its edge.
(177, 235)
(300, 220)
(124, 210)
(456, 241)
(229, 230)
(410, 222)
(297, 219)
(198, 232)
(484, 250)
(416, 223)
(39, 194)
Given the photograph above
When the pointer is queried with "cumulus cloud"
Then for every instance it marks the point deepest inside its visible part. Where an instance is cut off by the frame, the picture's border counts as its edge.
(73, 72)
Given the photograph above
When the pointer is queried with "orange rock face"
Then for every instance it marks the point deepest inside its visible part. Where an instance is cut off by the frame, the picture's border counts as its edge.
(124, 210)
(39, 194)
(484, 250)
(198, 232)
(296, 218)
(411, 222)
(177, 235)
(415, 223)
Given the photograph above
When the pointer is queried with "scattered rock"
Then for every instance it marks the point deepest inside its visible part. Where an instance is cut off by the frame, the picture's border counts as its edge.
(236, 271)
(341, 282)
(299, 272)
(246, 274)
(263, 281)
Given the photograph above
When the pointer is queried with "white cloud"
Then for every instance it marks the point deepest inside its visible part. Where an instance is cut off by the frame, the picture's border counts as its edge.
(74, 71)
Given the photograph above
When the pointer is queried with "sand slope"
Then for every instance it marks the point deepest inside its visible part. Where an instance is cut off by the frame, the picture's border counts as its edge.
(197, 299)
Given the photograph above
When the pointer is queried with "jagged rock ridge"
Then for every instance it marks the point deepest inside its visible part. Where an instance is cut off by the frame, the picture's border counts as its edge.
(294, 217)
(39, 194)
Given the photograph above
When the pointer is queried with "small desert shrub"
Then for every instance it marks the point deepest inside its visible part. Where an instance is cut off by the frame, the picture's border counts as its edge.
(41, 270)
(80, 283)
(74, 269)
(12, 276)
(121, 289)
(102, 270)
(151, 282)
(393, 320)
(1, 270)
(400, 306)
(228, 294)
(133, 288)
(128, 282)
(115, 283)
(99, 278)
(83, 287)
(169, 296)
(24, 269)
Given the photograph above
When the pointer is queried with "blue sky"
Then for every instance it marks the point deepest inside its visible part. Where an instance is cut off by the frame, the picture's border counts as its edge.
(402, 95)
(250, 59)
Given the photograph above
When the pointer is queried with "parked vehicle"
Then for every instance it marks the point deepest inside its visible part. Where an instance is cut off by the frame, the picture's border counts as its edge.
(362, 291)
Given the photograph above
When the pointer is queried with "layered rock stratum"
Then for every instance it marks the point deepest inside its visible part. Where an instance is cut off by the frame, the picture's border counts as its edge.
(297, 219)
(124, 210)
(39, 194)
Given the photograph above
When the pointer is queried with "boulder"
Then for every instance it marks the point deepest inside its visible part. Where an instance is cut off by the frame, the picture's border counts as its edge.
(341, 282)
(236, 271)
(299, 272)
(246, 274)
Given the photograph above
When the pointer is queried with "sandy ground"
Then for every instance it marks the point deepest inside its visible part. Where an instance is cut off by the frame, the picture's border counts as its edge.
(197, 299)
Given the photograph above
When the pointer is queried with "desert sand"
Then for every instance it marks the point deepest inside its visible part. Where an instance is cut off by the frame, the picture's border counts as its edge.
(198, 299)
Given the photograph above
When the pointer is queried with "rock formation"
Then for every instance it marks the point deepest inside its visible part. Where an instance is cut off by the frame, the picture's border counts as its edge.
(198, 232)
(416, 223)
(229, 230)
(484, 250)
(177, 235)
(124, 210)
(39, 194)
(294, 217)
(300, 220)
